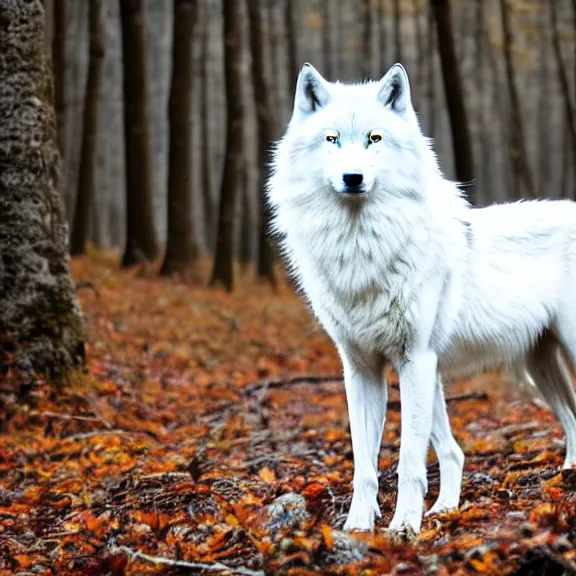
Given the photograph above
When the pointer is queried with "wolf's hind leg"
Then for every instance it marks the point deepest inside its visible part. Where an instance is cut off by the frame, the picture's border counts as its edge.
(450, 456)
(548, 366)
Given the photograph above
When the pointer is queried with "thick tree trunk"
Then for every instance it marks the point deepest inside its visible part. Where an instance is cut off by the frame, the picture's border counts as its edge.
(181, 247)
(223, 272)
(461, 143)
(39, 315)
(141, 236)
(519, 156)
(85, 190)
(206, 151)
(265, 267)
(564, 81)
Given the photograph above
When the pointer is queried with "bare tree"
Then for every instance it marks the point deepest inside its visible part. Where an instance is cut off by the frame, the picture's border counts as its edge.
(521, 168)
(223, 271)
(543, 119)
(383, 36)
(246, 222)
(462, 146)
(431, 80)
(85, 188)
(564, 81)
(141, 236)
(366, 52)
(265, 268)
(290, 7)
(206, 151)
(327, 52)
(181, 246)
(397, 31)
(39, 313)
(420, 50)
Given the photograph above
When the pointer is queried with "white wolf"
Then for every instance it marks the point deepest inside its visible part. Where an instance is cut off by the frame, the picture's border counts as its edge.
(399, 268)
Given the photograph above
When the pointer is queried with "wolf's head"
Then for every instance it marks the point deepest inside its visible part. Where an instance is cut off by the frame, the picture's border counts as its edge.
(353, 140)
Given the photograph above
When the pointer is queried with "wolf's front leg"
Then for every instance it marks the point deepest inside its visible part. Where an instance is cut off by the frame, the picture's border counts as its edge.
(366, 394)
(417, 375)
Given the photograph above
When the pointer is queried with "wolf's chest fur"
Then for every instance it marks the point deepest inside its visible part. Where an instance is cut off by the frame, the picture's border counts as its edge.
(360, 277)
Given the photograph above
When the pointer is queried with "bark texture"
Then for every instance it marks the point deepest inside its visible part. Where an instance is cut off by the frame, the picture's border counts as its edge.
(85, 191)
(223, 272)
(181, 247)
(141, 244)
(39, 314)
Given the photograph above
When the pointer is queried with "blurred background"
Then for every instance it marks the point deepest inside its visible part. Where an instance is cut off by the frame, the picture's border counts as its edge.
(507, 66)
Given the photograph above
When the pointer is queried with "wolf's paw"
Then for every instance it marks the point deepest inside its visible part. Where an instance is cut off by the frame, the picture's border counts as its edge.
(410, 520)
(404, 534)
(361, 516)
(441, 506)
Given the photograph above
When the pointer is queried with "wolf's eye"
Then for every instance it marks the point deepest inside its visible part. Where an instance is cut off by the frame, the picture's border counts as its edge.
(374, 137)
(332, 138)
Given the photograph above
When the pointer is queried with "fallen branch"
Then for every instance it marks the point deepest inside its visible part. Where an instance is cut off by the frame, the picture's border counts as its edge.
(392, 405)
(160, 560)
(268, 384)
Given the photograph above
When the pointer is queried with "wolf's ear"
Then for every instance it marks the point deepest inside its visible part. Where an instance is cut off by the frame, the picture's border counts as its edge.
(395, 89)
(311, 91)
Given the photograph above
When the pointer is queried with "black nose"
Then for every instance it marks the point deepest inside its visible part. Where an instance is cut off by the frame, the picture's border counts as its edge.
(353, 181)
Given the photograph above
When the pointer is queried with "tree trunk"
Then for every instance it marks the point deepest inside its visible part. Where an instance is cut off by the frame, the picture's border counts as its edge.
(60, 19)
(463, 158)
(85, 191)
(181, 247)
(518, 153)
(39, 316)
(564, 81)
(366, 52)
(482, 134)
(141, 236)
(205, 108)
(327, 52)
(383, 40)
(431, 83)
(246, 224)
(223, 272)
(543, 118)
(397, 31)
(420, 51)
(292, 53)
(265, 268)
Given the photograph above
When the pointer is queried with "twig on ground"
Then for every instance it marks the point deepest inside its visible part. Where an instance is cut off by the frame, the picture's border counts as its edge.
(268, 384)
(394, 405)
(160, 560)
(49, 414)
(95, 433)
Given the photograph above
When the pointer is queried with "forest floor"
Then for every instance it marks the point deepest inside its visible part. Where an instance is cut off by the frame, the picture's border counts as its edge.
(199, 409)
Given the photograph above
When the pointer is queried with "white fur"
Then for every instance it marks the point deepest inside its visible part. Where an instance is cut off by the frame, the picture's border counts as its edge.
(408, 273)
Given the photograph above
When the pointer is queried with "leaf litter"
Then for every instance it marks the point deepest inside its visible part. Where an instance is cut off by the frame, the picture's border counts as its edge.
(209, 435)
